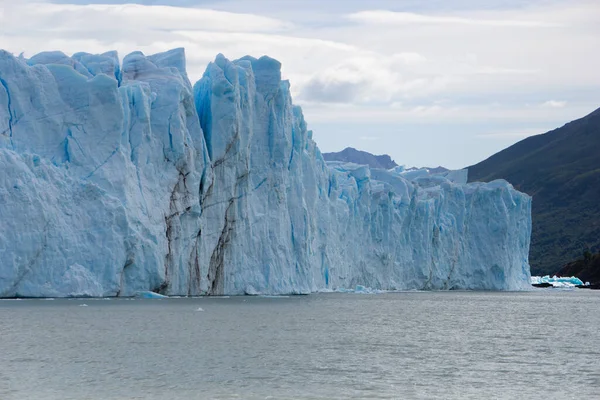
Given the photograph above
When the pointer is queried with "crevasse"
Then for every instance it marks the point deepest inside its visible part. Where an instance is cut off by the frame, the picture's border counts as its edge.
(118, 179)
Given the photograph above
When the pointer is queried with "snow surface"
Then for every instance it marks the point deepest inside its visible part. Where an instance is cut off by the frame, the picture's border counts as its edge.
(120, 179)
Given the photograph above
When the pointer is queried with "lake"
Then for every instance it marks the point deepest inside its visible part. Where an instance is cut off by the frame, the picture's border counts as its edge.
(412, 345)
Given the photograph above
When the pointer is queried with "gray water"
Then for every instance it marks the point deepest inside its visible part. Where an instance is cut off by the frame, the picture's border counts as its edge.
(420, 345)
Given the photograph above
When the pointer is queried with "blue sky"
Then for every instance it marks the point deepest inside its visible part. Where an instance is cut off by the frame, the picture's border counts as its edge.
(428, 82)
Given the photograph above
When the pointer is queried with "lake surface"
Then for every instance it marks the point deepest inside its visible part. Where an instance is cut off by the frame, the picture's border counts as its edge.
(418, 345)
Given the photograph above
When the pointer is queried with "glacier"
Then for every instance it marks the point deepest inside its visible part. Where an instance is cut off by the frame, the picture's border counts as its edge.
(121, 178)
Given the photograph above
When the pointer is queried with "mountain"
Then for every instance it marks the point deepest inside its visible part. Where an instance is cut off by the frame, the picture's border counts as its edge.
(561, 170)
(435, 170)
(352, 155)
(125, 178)
(384, 161)
(586, 268)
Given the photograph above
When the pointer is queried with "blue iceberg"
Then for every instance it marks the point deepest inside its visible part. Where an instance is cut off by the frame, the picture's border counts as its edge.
(150, 295)
(557, 281)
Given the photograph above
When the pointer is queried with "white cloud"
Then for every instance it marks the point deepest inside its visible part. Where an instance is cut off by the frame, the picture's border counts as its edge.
(487, 114)
(554, 104)
(117, 17)
(391, 17)
(409, 58)
(388, 57)
(370, 66)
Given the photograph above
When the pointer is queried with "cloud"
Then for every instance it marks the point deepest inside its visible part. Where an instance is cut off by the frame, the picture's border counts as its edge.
(111, 17)
(349, 81)
(554, 104)
(333, 91)
(383, 64)
(506, 71)
(372, 78)
(395, 18)
(34, 27)
(440, 70)
(485, 114)
(409, 58)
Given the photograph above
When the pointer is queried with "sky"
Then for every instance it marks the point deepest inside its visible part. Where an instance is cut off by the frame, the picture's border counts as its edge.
(430, 83)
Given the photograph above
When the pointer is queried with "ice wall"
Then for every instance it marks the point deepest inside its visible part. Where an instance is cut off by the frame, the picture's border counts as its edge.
(125, 178)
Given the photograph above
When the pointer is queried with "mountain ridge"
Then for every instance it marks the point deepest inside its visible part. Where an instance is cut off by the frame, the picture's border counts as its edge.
(560, 169)
(383, 161)
(350, 154)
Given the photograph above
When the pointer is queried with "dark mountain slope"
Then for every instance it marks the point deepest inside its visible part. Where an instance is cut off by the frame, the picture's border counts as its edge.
(587, 268)
(561, 170)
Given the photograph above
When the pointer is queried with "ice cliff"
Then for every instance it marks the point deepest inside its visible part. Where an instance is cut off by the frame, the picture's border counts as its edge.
(120, 178)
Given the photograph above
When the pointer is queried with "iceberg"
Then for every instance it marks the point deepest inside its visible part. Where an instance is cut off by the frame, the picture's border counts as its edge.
(365, 290)
(556, 281)
(125, 178)
(150, 295)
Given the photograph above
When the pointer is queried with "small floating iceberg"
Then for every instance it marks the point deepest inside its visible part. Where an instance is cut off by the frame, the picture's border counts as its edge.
(557, 281)
(360, 289)
(150, 295)
(366, 290)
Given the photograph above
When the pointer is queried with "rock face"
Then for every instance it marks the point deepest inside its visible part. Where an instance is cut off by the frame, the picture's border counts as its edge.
(119, 179)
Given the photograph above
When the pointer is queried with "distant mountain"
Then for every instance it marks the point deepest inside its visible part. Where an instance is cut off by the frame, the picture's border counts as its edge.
(561, 170)
(436, 170)
(361, 157)
(383, 161)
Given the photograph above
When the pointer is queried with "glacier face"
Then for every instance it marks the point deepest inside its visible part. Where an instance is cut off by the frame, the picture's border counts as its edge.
(121, 179)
